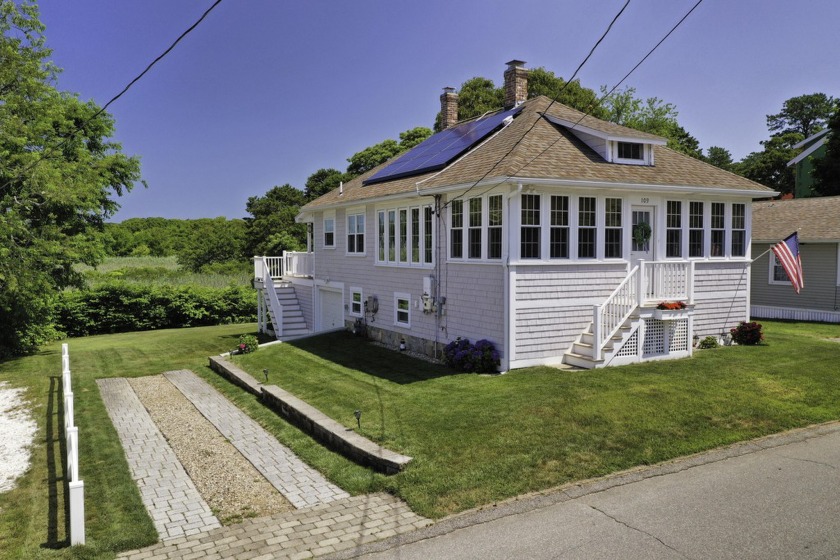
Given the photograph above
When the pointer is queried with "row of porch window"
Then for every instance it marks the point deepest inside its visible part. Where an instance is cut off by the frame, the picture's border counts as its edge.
(469, 224)
(405, 235)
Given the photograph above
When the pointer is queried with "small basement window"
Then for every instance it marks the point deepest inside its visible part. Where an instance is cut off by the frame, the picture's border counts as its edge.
(631, 150)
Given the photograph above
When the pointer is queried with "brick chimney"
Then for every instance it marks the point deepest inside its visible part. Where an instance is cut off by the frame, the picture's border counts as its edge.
(448, 108)
(516, 83)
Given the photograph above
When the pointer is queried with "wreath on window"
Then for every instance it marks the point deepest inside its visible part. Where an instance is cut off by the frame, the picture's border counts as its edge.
(641, 233)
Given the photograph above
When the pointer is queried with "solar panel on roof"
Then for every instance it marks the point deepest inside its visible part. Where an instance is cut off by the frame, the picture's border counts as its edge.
(438, 150)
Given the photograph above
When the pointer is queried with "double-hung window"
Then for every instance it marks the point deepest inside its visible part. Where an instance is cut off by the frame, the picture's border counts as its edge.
(673, 229)
(415, 235)
(356, 233)
(586, 227)
(612, 229)
(718, 238)
(695, 229)
(402, 310)
(494, 226)
(403, 225)
(559, 236)
(474, 235)
(456, 232)
(329, 231)
(356, 300)
(531, 230)
(739, 230)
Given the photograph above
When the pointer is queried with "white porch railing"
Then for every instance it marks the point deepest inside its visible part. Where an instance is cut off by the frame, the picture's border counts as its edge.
(610, 315)
(668, 281)
(76, 487)
(292, 263)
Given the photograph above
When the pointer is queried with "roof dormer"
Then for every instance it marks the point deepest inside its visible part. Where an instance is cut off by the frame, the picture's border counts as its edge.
(614, 143)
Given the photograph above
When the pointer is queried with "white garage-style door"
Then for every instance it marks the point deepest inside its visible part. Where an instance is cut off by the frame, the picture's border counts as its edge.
(331, 309)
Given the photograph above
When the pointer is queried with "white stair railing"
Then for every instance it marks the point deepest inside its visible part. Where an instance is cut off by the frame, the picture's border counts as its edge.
(76, 487)
(274, 303)
(610, 315)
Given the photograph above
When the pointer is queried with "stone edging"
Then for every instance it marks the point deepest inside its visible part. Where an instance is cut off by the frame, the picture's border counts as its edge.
(313, 421)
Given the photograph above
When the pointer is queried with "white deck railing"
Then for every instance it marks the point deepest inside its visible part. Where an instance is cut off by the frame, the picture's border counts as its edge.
(668, 281)
(292, 263)
(76, 487)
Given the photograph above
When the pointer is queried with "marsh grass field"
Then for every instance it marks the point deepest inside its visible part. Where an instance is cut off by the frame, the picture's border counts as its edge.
(161, 271)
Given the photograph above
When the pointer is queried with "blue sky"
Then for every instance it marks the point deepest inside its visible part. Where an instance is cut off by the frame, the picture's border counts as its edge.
(265, 92)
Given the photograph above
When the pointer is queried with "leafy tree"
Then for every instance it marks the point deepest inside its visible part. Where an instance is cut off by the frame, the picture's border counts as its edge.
(650, 115)
(720, 157)
(59, 173)
(544, 82)
(370, 157)
(271, 229)
(769, 167)
(827, 169)
(217, 240)
(323, 181)
(805, 115)
(411, 138)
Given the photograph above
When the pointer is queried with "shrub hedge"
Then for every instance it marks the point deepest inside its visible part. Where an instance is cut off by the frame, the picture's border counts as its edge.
(121, 307)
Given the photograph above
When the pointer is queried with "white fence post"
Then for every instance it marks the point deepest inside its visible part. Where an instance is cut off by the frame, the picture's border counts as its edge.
(76, 487)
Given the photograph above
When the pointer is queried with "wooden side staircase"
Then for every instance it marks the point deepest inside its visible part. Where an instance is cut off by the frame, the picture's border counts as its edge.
(581, 354)
(623, 314)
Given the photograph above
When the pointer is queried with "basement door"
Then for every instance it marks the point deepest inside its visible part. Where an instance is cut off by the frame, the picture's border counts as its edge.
(331, 312)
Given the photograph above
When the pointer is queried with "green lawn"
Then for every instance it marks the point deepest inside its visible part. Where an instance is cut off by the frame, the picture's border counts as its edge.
(475, 439)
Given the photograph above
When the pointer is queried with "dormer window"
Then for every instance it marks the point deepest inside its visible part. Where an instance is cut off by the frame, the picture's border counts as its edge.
(631, 153)
(631, 150)
(614, 143)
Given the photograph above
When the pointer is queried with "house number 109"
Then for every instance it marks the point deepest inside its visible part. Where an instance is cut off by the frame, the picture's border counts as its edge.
(645, 200)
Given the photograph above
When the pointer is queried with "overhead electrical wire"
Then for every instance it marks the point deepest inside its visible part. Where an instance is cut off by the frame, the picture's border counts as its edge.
(591, 108)
(565, 85)
(78, 128)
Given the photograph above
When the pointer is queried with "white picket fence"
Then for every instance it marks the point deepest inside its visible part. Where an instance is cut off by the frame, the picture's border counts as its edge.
(76, 486)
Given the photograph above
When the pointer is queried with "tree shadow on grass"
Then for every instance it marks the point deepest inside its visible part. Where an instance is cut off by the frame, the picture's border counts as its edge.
(56, 446)
(353, 352)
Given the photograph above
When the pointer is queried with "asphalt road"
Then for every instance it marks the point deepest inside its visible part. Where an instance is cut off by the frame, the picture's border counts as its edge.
(774, 498)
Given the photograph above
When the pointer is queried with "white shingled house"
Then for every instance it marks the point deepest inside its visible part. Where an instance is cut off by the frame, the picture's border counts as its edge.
(550, 233)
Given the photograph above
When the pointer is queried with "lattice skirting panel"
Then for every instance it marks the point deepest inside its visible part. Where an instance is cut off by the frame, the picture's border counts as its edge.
(665, 337)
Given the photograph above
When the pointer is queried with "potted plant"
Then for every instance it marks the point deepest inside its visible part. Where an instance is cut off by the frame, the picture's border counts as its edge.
(670, 310)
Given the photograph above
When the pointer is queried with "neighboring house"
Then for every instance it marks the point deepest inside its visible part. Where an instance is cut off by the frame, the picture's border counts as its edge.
(818, 222)
(813, 147)
(550, 233)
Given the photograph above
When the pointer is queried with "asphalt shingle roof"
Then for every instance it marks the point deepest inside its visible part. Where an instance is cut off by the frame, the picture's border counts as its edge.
(816, 219)
(548, 151)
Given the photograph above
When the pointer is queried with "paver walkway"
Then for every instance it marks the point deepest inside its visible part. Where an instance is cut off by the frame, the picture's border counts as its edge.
(176, 507)
(338, 526)
(302, 485)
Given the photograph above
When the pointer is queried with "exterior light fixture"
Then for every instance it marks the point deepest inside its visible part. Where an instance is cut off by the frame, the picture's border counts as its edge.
(402, 344)
(358, 415)
(265, 374)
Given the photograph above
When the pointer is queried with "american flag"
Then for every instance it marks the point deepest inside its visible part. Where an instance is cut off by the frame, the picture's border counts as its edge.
(787, 252)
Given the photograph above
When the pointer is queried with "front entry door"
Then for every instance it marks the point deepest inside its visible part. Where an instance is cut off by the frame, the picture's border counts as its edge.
(642, 236)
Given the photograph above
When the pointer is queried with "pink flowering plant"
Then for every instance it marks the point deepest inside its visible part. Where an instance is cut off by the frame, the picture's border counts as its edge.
(247, 343)
(481, 357)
